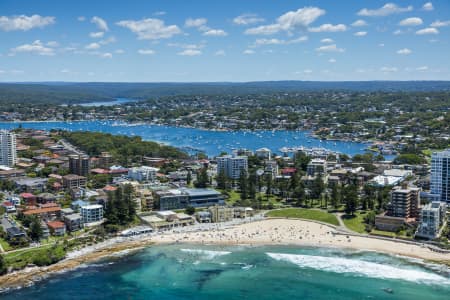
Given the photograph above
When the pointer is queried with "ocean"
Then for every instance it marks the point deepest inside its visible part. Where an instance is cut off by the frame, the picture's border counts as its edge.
(184, 271)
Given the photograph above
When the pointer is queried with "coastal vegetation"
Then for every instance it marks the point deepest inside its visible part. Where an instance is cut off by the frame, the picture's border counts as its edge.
(124, 149)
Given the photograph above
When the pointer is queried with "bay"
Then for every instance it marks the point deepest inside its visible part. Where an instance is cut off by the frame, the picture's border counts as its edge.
(210, 142)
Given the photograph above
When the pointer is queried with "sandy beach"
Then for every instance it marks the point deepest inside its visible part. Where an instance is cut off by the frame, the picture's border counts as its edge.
(263, 232)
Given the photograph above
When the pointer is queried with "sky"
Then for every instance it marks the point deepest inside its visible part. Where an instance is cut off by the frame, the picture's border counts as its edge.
(233, 40)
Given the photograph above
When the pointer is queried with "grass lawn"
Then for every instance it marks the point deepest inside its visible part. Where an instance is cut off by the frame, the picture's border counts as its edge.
(310, 214)
(385, 233)
(355, 222)
(5, 245)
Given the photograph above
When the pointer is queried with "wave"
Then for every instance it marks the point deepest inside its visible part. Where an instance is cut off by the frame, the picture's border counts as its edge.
(207, 254)
(359, 268)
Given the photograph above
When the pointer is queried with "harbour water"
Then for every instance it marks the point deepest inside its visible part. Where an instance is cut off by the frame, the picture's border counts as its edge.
(210, 142)
(242, 272)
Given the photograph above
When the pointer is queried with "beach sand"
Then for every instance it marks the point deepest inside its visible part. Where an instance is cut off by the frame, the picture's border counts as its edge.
(264, 232)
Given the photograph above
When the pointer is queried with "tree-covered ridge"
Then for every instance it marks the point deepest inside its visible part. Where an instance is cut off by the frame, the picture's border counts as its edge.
(123, 148)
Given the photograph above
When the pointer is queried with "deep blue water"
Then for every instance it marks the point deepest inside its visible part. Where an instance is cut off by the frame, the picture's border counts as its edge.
(238, 272)
(210, 142)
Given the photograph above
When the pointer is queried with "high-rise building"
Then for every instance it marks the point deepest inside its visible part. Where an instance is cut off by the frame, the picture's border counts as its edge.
(232, 166)
(79, 165)
(440, 175)
(8, 152)
(432, 217)
(404, 203)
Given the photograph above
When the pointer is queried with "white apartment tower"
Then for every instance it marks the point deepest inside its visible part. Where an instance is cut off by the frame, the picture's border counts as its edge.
(232, 165)
(440, 175)
(8, 153)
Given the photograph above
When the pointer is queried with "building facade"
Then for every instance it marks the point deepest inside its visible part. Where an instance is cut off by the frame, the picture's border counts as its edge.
(432, 219)
(79, 165)
(8, 146)
(404, 203)
(440, 175)
(232, 166)
(91, 213)
(142, 173)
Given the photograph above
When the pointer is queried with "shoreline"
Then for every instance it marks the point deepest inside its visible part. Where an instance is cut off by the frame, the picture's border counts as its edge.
(268, 232)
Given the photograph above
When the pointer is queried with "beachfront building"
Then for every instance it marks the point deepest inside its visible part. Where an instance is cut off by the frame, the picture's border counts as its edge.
(232, 166)
(404, 203)
(8, 148)
(271, 168)
(91, 213)
(184, 197)
(79, 164)
(73, 221)
(440, 175)
(142, 173)
(221, 213)
(432, 220)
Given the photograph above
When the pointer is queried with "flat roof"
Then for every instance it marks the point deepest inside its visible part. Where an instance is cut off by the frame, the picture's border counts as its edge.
(200, 192)
(92, 206)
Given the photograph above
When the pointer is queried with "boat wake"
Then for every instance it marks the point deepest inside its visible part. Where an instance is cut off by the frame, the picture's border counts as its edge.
(359, 268)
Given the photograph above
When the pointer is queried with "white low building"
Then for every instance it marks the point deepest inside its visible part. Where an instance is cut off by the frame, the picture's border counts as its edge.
(142, 173)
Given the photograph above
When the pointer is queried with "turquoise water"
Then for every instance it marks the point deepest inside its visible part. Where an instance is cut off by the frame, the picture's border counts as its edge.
(210, 142)
(238, 272)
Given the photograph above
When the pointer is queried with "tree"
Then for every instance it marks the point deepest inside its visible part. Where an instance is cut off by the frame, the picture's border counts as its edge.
(222, 180)
(350, 197)
(189, 177)
(190, 210)
(318, 187)
(252, 185)
(243, 184)
(3, 268)
(202, 179)
(335, 195)
(36, 231)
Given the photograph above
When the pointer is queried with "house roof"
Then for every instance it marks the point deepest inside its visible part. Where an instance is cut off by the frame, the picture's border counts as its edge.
(55, 224)
(42, 210)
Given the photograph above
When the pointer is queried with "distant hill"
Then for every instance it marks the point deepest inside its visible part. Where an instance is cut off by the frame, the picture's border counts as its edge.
(67, 92)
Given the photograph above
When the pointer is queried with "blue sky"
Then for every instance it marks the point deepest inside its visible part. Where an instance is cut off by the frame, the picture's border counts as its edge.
(179, 40)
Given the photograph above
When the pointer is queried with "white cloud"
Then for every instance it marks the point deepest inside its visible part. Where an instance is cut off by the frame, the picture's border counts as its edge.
(65, 71)
(195, 22)
(359, 23)
(190, 52)
(388, 69)
(93, 46)
(120, 51)
(81, 18)
(381, 45)
(397, 32)
(146, 51)
(150, 29)
(329, 28)
(159, 13)
(53, 44)
(404, 51)
(411, 22)
(215, 32)
(429, 30)
(263, 42)
(307, 71)
(96, 35)
(220, 53)
(422, 68)
(101, 24)
(360, 33)
(107, 55)
(248, 51)
(289, 21)
(24, 22)
(387, 9)
(247, 19)
(438, 23)
(332, 60)
(428, 6)
(330, 48)
(108, 41)
(37, 47)
(327, 41)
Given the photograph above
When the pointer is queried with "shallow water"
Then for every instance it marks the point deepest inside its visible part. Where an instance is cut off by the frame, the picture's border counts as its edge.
(240, 272)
